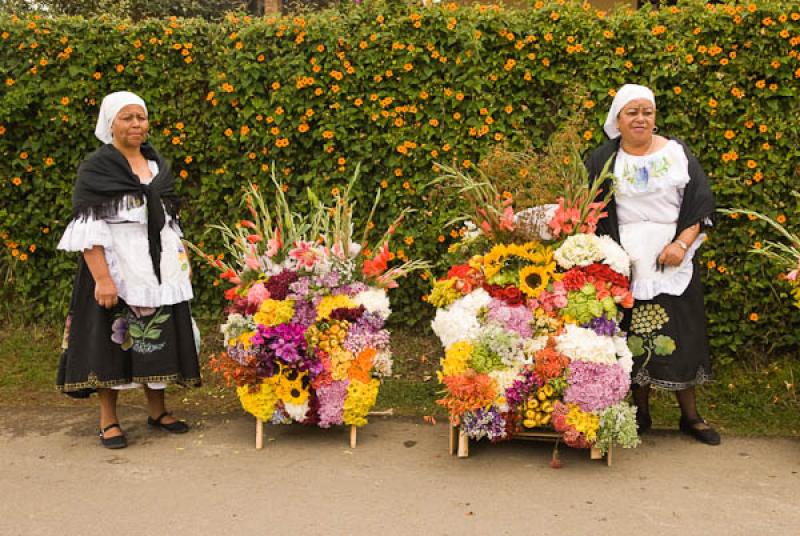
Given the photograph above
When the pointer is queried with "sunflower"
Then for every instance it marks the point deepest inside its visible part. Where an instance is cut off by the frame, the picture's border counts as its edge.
(533, 279)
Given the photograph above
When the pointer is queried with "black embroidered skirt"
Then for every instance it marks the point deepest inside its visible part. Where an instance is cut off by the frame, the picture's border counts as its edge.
(112, 347)
(669, 340)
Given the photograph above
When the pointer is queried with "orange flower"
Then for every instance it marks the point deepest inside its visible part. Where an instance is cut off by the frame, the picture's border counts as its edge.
(753, 317)
(781, 219)
(16, 181)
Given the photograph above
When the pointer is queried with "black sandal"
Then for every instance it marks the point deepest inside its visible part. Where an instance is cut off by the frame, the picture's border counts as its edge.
(177, 427)
(116, 442)
(708, 435)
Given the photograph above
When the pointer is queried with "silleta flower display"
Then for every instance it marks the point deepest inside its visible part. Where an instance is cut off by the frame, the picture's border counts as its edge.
(530, 325)
(304, 337)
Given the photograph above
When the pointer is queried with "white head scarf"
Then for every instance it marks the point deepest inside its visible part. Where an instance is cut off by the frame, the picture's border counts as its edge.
(626, 94)
(112, 104)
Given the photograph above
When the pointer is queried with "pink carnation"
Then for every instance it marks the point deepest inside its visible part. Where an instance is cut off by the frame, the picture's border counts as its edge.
(257, 294)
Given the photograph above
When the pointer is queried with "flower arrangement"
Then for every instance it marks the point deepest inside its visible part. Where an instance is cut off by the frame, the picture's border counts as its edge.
(304, 337)
(530, 323)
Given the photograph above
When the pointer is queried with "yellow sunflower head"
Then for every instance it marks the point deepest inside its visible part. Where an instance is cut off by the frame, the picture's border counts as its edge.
(533, 279)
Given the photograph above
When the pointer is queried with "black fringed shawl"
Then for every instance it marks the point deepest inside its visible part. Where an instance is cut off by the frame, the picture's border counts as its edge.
(106, 183)
(698, 200)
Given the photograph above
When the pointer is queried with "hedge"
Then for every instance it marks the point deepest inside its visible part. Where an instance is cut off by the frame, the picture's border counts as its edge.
(397, 88)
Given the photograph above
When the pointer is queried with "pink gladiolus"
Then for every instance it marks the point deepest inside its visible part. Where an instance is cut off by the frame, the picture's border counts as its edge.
(253, 238)
(274, 244)
(486, 227)
(792, 276)
(252, 263)
(507, 220)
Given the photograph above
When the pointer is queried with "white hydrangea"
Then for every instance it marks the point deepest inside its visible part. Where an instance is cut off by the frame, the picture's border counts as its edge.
(374, 300)
(579, 250)
(583, 344)
(453, 325)
(624, 354)
(459, 321)
(614, 256)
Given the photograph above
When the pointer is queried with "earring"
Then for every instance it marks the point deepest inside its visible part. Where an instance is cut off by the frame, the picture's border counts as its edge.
(655, 130)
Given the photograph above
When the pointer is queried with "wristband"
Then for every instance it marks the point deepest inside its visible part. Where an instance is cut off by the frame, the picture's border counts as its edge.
(681, 244)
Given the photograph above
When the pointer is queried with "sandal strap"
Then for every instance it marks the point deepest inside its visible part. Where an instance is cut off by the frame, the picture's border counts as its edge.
(112, 426)
(158, 419)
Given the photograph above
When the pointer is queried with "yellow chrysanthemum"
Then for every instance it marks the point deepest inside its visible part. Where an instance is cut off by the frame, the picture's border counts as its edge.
(340, 363)
(261, 402)
(585, 423)
(443, 293)
(329, 303)
(533, 279)
(456, 359)
(360, 399)
(274, 312)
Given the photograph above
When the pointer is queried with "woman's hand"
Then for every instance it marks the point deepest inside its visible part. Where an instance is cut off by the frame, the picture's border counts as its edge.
(672, 255)
(105, 292)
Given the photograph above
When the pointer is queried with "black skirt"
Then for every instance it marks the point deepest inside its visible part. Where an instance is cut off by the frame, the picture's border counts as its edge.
(669, 340)
(110, 347)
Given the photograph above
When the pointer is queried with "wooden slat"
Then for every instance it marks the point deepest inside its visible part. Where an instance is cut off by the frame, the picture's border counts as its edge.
(259, 434)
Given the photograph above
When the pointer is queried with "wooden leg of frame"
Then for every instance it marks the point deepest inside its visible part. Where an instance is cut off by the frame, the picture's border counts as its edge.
(353, 436)
(463, 443)
(453, 441)
(608, 456)
(595, 454)
(259, 434)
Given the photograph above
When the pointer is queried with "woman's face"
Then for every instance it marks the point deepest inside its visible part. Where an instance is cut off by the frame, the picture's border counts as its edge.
(130, 126)
(636, 122)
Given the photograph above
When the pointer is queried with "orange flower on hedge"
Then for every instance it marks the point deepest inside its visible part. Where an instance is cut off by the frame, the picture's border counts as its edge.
(753, 317)
(729, 134)
(781, 219)
(16, 181)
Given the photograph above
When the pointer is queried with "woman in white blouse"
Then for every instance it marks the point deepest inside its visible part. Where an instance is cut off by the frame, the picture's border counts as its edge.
(130, 323)
(661, 204)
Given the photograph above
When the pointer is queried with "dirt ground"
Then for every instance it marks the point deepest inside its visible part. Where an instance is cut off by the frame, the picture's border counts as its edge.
(400, 480)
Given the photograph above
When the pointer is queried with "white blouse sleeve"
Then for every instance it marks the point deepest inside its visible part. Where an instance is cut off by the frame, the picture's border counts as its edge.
(81, 235)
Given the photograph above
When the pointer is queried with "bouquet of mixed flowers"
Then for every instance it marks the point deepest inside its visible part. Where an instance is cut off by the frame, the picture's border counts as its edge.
(304, 337)
(529, 318)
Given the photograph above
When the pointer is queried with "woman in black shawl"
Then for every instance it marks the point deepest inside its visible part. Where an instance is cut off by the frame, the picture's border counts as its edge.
(129, 323)
(661, 203)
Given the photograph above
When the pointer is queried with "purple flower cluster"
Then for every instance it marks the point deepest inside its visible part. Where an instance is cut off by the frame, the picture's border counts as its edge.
(331, 403)
(511, 317)
(350, 289)
(484, 423)
(521, 388)
(279, 284)
(305, 313)
(594, 386)
(300, 289)
(328, 280)
(602, 325)
(362, 335)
